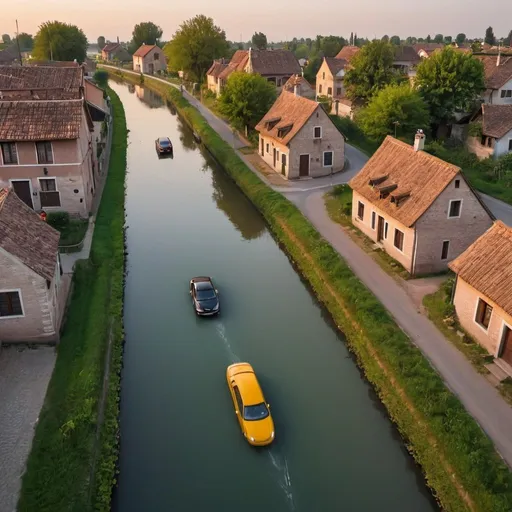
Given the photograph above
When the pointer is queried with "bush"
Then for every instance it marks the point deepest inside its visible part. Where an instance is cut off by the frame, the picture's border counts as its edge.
(101, 78)
(475, 129)
(208, 95)
(58, 220)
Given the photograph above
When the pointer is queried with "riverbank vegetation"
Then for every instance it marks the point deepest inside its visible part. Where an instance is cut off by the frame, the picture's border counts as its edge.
(73, 458)
(72, 231)
(459, 461)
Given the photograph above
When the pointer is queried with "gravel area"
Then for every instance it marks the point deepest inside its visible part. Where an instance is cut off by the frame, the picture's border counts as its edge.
(24, 377)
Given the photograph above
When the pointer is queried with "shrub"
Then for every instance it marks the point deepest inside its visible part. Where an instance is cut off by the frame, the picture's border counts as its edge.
(58, 220)
(101, 78)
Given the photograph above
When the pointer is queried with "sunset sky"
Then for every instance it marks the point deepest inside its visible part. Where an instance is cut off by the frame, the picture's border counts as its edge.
(279, 20)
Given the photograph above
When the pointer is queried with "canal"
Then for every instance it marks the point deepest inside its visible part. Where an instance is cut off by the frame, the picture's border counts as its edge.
(181, 446)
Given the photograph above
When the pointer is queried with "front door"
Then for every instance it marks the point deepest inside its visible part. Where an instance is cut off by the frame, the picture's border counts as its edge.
(22, 189)
(304, 165)
(151, 68)
(275, 156)
(506, 351)
(380, 229)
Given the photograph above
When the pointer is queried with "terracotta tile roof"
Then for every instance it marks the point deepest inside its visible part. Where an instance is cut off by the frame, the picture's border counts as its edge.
(347, 53)
(286, 117)
(217, 67)
(298, 80)
(497, 120)
(487, 265)
(335, 65)
(25, 236)
(9, 54)
(274, 62)
(40, 120)
(428, 47)
(496, 76)
(54, 63)
(144, 50)
(422, 177)
(109, 47)
(406, 53)
(41, 77)
(237, 63)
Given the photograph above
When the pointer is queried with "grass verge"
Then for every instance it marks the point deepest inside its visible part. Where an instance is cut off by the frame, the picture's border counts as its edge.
(459, 461)
(74, 232)
(66, 444)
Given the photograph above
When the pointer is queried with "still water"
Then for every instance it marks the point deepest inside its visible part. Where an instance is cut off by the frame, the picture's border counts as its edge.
(181, 446)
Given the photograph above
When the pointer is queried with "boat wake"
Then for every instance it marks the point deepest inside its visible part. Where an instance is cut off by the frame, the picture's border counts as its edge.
(221, 331)
(285, 482)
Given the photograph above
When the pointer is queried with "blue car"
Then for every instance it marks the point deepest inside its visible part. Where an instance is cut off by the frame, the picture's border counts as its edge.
(205, 297)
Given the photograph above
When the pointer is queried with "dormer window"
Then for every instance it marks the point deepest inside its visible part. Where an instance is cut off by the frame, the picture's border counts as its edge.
(282, 131)
(272, 122)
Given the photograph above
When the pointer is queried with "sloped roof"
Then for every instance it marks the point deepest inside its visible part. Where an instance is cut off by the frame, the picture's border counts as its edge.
(109, 47)
(40, 120)
(406, 53)
(496, 76)
(54, 63)
(237, 63)
(144, 50)
(41, 77)
(289, 111)
(347, 53)
(274, 62)
(428, 47)
(497, 120)
(487, 265)
(298, 80)
(419, 175)
(335, 65)
(217, 67)
(25, 236)
(9, 54)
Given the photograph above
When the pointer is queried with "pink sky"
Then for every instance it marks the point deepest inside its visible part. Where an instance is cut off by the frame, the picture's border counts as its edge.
(279, 20)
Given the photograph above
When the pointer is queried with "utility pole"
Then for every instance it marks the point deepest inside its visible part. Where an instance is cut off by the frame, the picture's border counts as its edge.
(18, 43)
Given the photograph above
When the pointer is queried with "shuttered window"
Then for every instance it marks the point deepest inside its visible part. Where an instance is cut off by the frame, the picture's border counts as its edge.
(44, 152)
(49, 195)
(10, 304)
(9, 153)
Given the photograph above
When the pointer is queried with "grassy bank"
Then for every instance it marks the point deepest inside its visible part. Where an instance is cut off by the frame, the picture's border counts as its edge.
(65, 445)
(459, 461)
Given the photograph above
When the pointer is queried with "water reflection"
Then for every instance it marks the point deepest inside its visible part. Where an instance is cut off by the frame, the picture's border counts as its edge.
(186, 135)
(131, 88)
(148, 97)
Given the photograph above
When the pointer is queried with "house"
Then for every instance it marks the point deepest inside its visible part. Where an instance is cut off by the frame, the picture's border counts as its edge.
(115, 51)
(298, 139)
(347, 53)
(31, 305)
(406, 60)
(46, 154)
(498, 79)
(496, 138)
(416, 207)
(329, 79)
(425, 50)
(298, 84)
(483, 298)
(149, 59)
(277, 66)
(212, 75)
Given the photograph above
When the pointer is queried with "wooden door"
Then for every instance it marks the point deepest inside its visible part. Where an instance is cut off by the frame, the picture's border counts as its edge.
(506, 351)
(304, 165)
(262, 147)
(380, 229)
(275, 156)
(22, 189)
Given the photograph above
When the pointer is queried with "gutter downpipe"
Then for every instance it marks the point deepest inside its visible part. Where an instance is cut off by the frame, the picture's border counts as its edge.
(413, 266)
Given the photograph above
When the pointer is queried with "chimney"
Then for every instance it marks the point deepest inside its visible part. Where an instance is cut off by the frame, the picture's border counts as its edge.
(419, 141)
(498, 60)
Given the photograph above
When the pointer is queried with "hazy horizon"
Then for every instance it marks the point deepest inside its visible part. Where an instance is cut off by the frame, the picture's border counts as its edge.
(279, 21)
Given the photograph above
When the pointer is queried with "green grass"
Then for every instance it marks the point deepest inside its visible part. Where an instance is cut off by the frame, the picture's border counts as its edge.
(442, 436)
(58, 476)
(74, 232)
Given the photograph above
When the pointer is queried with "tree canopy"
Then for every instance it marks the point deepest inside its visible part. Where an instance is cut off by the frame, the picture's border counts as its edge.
(246, 98)
(60, 41)
(145, 33)
(508, 39)
(394, 104)
(395, 40)
(460, 38)
(6, 38)
(26, 41)
(450, 81)
(196, 43)
(101, 43)
(259, 40)
(371, 70)
(490, 38)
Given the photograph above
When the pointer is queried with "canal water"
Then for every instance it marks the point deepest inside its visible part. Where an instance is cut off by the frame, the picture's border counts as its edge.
(181, 446)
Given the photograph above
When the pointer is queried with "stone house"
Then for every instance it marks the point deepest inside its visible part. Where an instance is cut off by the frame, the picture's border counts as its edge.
(212, 75)
(298, 139)
(31, 306)
(406, 60)
(416, 207)
(498, 79)
(329, 79)
(299, 85)
(482, 297)
(115, 51)
(149, 59)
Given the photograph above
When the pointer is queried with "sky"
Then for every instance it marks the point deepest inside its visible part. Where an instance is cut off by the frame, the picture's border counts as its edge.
(279, 20)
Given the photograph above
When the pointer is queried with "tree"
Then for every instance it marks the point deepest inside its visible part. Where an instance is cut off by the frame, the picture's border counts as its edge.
(461, 38)
(395, 40)
(394, 104)
(101, 43)
(428, 39)
(490, 38)
(145, 33)
(59, 41)
(101, 78)
(352, 39)
(385, 38)
(302, 51)
(26, 41)
(196, 43)
(246, 98)
(6, 38)
(439, 38)
(476, 46)
(259, 40)
(449, 81)
(508, 39)
(371, 70)
(311, 70)
(331, 45)
(448, 39)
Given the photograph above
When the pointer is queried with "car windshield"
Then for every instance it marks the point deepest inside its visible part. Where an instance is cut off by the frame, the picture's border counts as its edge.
(255, 412)
(205, 294)
(164, 142)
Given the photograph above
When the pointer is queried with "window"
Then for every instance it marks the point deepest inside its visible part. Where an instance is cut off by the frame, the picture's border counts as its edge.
(323, 76)
(9, 153)
(329, 91)
(510, 144)
(238, 397)
(360, 210)
(399, 240)
(374, 217)
(386, 226)
(328, 158)
(157, 56)
(49, 194)
(483, 314)
(318, 132)
(320, 89)
(268, 148)
(457, 183)
(506, 93)
(44, 152)
(444, 251)
(338, 91)
(10, 304)
(454, 209)
(283, 159)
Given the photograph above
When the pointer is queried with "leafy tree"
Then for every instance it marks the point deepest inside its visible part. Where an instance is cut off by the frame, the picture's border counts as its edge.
(395, 40)
(450, 81)
(461, 38)
(394, 104)
(196, 43)
(101, 43)
(508, 39)
(439, 38)
(246, 98)
(331, 45)
(146, 32)
(6, 38)
(476, 46)
(352, 38)
(385, 38)
(490, 38)
(371, 70)
(428, 39)
(302, 51)
(448, 39)
(259, 40)
(60, 41)
(101, 78)
(311, 70)
(26, 41)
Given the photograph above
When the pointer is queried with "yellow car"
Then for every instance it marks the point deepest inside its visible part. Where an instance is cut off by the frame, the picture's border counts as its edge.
(252, 411)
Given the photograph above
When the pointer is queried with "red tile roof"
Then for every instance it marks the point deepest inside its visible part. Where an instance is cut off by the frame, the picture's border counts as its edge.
(496, 76)
(497, 120)
(68, 78)
(109, 47)
(347, 53)
(298, 80)
(217, 67)
(144, 50)
(237, 63)
(335, 65)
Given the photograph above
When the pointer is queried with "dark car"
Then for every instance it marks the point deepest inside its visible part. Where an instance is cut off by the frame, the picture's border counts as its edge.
(163, 146)
(205, 297)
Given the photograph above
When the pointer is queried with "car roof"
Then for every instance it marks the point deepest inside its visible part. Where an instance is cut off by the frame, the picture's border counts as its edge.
(203, 285)
(160, 139)
(249, 388)
(201, 278)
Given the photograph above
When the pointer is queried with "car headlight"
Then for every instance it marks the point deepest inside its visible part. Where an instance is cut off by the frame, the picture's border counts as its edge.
(216, 307)
(272, 435)
(252, 439)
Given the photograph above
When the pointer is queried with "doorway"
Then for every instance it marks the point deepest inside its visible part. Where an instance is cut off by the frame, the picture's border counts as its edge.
(506, 347)
(262, 147)
(23, 191)
(380, 229)
(304, 165)
(275, 156)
